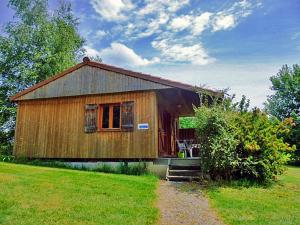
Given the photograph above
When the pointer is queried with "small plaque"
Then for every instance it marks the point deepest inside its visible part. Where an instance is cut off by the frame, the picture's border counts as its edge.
(143, 126)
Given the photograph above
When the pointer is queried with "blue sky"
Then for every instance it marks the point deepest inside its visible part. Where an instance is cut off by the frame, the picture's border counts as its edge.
(220, 44)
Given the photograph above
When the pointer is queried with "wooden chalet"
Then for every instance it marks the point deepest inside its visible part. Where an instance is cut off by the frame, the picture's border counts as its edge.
(97, 111)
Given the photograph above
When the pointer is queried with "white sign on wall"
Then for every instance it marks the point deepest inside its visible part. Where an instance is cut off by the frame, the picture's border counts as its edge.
(143, 126)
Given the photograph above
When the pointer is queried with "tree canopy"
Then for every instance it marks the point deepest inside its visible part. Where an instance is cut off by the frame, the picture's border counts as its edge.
(34, 46)
(286, 98)
(285, 102)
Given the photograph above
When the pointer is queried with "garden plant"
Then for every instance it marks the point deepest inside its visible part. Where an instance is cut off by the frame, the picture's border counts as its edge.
(240, 144)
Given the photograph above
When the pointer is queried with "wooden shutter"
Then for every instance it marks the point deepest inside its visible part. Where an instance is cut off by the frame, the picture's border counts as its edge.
(127, 116)
(90, 116)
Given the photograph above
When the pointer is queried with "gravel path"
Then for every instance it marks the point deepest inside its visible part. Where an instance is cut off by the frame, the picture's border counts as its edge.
(181, 207)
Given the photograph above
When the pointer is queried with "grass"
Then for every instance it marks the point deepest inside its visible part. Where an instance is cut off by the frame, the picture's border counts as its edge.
(277, 204)
(40, 195)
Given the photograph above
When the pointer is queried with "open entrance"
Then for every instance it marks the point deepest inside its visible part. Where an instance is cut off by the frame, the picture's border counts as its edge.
(187, 128)
(172, 105)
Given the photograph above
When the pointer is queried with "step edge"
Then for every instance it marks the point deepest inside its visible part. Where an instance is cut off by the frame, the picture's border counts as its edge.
(183, 176)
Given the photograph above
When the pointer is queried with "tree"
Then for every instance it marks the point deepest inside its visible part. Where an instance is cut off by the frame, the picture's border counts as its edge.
(33, 47)
(286, 99)
(285, 102)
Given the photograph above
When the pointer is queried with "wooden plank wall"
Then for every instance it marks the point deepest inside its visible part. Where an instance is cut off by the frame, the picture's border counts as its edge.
(54, 128)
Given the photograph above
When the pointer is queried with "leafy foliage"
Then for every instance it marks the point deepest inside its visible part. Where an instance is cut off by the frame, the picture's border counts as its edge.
(285, 102)
(33, 47)
(286, 99)
(187, 122)
(294, 138)
(237, 143)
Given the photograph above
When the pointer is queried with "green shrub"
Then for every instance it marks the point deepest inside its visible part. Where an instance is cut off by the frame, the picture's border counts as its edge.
(217, 142)
(294, 138)
(134, 169)
(105, 168)
(237, 144)
(6, 141)
(45, 163)
(7, 158)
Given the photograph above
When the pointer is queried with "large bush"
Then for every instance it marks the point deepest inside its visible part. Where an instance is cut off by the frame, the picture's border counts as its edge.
(240, 144)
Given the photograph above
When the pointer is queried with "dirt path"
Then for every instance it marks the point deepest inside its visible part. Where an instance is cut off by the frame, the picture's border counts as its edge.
(180, 207)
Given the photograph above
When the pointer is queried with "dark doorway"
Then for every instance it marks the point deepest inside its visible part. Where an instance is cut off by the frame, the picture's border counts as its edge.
(165, 148)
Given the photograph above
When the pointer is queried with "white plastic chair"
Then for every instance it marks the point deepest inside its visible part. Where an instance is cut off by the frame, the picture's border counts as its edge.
(190, 145)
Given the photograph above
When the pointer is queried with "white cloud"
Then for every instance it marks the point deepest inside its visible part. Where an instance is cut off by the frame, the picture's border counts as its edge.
(163, 21)
(230, 17)
(119, 54)
(91, 52)
(180, 23)
(244, 8)
(152, 17)
(223, 22)
(201, 22)
(100, 34)
(154, 6)
(195, 54)
(112, 9)
(174, 5)
(154, 25)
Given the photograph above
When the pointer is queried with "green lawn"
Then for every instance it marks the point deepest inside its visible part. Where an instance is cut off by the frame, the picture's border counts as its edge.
(40, 195)
(279, 204)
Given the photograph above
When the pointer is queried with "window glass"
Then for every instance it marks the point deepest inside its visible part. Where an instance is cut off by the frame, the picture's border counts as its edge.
(116, 116)
(105, 116)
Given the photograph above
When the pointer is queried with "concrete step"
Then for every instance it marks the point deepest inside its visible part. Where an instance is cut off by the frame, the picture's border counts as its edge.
(184, 162)
(177, 161)
(184, 172)
(176, 167)
(183, 178)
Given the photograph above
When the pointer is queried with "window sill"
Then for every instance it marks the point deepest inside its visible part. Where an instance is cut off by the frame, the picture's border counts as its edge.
(110, 129)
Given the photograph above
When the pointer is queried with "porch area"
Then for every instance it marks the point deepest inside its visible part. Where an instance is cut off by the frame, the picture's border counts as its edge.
(174, 141)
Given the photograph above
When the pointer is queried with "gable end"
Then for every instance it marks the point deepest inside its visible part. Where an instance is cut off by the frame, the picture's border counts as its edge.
(89, 80)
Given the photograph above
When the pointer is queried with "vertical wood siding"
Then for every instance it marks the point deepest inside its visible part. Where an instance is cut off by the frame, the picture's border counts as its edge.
(54, 128)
